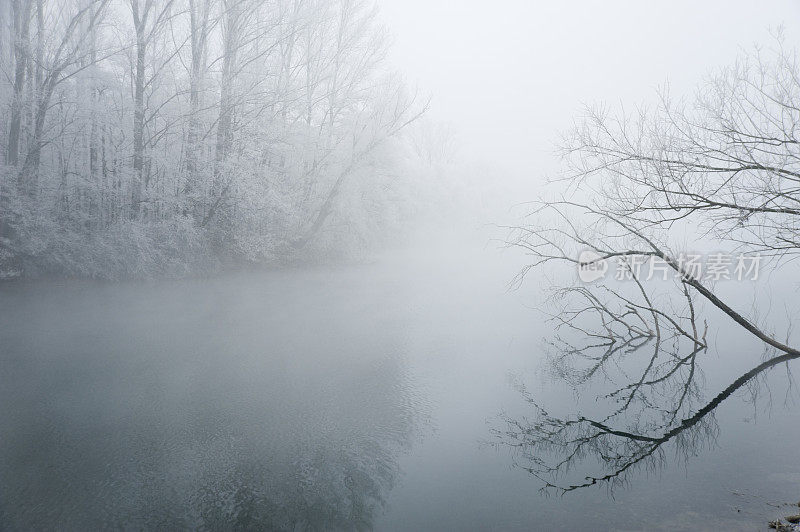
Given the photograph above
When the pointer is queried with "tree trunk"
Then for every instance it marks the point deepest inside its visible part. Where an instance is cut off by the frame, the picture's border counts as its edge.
(21, 10)
(225, 121)
(199, 39)
(138, 125)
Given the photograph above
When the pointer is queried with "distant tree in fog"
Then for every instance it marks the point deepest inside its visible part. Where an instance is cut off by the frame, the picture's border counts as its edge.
(146, 136)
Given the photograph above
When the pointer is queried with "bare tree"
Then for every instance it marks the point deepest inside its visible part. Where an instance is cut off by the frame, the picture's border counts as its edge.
(150, 18)
(395, 115)
(725, 166)
(64, 62)
(241, 48)
(21, 14)
(200, 28)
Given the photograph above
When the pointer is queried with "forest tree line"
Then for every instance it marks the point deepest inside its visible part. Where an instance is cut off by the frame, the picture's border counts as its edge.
(155, 136)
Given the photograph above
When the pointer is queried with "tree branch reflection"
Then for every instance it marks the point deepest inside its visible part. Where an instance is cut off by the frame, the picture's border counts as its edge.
(642, 353)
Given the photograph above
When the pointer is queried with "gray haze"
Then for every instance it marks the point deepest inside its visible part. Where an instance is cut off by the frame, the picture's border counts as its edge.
(298, 265)
(510, 75)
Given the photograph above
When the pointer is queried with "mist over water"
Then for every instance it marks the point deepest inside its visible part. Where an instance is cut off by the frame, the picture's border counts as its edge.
(352, 397)
(319, 265)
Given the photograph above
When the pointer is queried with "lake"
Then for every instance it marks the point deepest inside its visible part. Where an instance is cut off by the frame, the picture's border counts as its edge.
(359, 397)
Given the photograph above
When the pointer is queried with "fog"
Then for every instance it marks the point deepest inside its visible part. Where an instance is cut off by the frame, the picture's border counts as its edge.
(511, 76)
(399, 265)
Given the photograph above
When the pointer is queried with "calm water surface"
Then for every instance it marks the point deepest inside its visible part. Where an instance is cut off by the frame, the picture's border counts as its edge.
(356, 398)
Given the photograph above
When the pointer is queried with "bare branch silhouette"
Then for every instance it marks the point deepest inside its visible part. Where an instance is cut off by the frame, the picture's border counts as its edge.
(726, 165)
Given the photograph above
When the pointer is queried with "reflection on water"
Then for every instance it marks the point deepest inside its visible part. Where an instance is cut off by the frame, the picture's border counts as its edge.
(642, 363)
(127, 408)
(351, 399)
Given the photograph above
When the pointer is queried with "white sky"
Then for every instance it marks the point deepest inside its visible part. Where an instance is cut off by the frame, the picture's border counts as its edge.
(508, 75)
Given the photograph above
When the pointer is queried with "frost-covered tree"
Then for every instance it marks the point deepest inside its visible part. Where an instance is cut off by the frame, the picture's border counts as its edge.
(156, 136)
